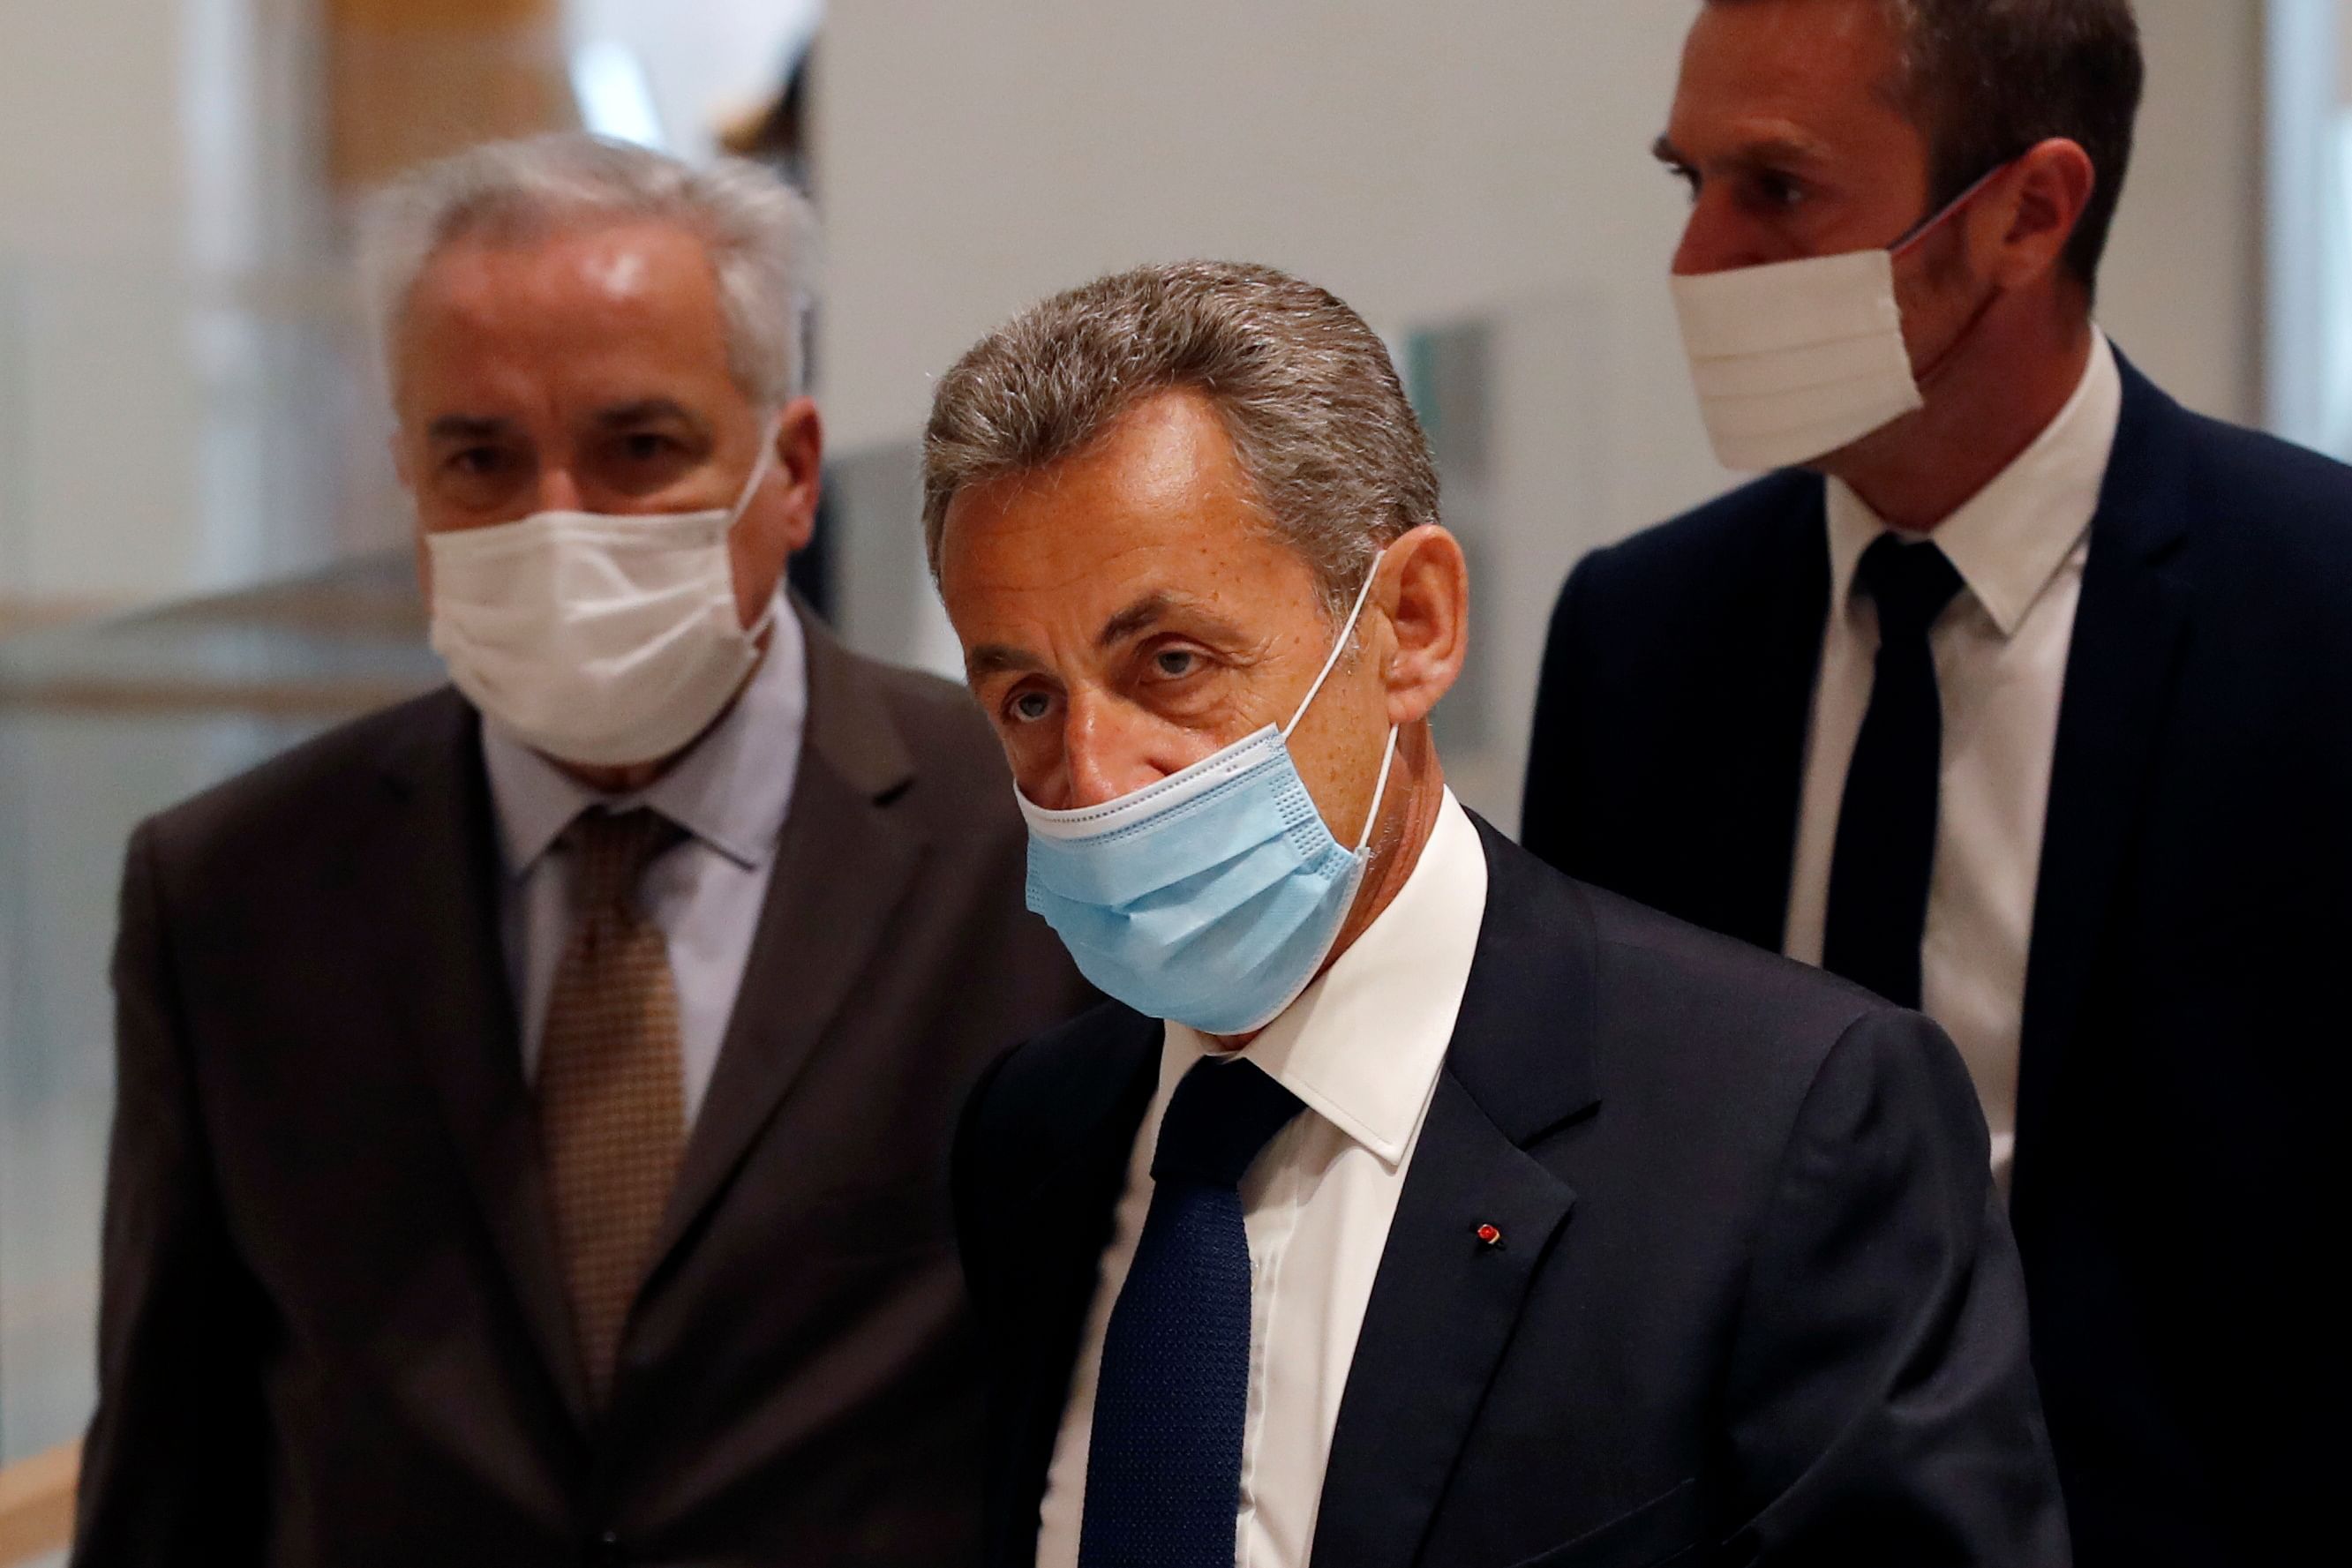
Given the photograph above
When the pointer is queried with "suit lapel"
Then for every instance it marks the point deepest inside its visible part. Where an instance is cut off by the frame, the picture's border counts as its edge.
(843, 863)
(1053, 1238)
(1446, 1302)
(2121, 674)
(1769, 720)
(435, 863)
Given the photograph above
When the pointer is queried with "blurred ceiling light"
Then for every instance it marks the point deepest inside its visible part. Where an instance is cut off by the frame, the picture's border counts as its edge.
(615, 96)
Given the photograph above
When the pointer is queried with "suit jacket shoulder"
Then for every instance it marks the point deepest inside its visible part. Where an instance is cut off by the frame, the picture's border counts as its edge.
(1734, 1008)
(2269, 522)
(1036, 1108)
(1714, 548)
(298, 803)
(1696, 1035)
(960, 781)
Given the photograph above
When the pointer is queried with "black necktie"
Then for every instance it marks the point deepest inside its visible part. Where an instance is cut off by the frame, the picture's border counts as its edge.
(1887, 827)
(1164, 1461)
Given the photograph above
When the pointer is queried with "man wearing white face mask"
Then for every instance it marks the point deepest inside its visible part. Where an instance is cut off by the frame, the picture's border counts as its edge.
(1408, 1203)
(536, 1098)
(2020, 696)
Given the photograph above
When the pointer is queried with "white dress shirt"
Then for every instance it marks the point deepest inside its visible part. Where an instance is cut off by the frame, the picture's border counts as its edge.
(1362, 1047)
(2001, 650)
(729, 793)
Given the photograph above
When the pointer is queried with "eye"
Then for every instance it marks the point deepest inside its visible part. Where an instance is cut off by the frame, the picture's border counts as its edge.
(1029, 707)
(1174, 663)
(644, 446)
(1776, 192)
(477, 462)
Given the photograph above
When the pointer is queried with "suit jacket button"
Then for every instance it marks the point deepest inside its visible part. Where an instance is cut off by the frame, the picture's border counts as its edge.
(607, 1552)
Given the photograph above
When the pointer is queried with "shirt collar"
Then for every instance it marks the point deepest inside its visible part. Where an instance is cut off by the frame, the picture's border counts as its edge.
(730, 790)
(2010, 538)
(1362, 1046)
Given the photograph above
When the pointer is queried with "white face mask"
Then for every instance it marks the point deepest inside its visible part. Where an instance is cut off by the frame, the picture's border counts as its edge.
(600, 640)
(1798, 359)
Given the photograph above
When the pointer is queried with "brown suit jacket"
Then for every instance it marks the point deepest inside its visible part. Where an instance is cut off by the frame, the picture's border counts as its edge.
(332, 1329)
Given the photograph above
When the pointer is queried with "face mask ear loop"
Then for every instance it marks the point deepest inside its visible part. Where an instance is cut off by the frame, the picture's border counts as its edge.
(1338, 648)
(1910, 242)
(759, 470)
(1380, 790)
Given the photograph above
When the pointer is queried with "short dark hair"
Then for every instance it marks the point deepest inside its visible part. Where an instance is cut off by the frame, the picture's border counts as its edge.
(1986, 81)
(1306, 391)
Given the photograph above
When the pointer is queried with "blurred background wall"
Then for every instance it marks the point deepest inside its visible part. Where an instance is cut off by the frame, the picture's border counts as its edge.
(185, 402)
(1439, 167)
(202, 551)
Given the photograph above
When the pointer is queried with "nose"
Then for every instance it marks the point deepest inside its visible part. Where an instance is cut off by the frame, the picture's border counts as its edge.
(1106, 753)
(556, 491)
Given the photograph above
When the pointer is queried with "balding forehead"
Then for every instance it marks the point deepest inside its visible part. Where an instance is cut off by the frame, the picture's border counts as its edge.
(613, 314)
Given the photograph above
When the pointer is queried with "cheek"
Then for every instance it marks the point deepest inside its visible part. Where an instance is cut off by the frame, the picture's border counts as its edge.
(758, 549)
(1338, 752)
(1031, 750)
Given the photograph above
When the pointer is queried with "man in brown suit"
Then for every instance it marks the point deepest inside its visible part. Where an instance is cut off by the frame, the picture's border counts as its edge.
(534, 1099)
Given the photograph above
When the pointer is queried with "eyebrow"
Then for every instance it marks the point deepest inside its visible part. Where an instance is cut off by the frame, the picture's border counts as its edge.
(1135, 618)
(455, 427)
(997, 659)
(1764, 151)
(647, 411)
(1778, 149)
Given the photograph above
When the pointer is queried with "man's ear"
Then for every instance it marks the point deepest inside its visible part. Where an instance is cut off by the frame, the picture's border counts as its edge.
(800, 462)
(1424, 590)
(2054, 182)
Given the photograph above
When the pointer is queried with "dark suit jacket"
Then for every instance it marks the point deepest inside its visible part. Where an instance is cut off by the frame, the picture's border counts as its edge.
(2183, 1058)
(333, 1331)
(1754, 1301)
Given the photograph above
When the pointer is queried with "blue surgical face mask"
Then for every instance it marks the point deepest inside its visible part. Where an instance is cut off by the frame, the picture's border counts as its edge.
(1213, 896)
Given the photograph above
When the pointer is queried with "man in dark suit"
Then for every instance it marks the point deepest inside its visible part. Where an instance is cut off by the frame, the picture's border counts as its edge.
(2028, 706)
(534, 1103)
(1412, 1204)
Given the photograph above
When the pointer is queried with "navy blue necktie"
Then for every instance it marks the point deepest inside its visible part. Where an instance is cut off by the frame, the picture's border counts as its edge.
(1164, 1463)
(1887, 827)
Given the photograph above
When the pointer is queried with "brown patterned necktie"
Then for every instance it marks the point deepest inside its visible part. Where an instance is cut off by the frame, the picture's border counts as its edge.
(612, 1092)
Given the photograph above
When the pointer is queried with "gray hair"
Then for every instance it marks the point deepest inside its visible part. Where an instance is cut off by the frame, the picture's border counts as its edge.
(1317, 417)
(759, 232)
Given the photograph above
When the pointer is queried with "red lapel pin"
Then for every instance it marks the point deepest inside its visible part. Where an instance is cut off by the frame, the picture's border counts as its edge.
(1489, 1235)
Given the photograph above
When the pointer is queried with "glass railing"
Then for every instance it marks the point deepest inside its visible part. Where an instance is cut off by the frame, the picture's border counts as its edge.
(101, 725)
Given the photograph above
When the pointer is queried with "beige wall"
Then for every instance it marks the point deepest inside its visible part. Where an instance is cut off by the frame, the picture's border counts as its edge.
(1431, 163)
(2182, 292)
(160, 254)
(91, 203)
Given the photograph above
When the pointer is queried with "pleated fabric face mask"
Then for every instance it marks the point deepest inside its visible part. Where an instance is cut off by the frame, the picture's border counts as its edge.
(603, 640)
(1213, 896)
(1795, 359)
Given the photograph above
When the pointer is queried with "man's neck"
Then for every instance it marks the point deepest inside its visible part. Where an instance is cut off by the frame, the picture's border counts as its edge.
(1982, 416)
